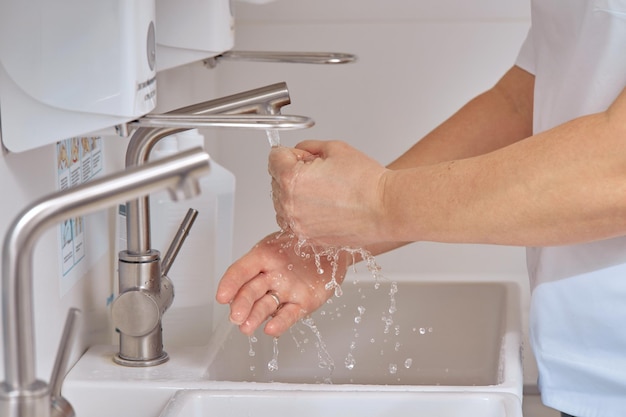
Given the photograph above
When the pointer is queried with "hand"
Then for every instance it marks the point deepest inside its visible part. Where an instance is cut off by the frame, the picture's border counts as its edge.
(328, 193)
(276, 266)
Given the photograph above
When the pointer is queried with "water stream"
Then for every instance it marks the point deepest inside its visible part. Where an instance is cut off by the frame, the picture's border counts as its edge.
(332, 254)
(273, 137)
(389, 331)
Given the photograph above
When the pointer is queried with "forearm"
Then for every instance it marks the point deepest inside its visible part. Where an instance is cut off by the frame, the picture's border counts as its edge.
(563, 186)
(492, 120)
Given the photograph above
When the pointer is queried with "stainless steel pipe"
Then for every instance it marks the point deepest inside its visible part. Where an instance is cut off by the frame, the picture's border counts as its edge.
(21, 394)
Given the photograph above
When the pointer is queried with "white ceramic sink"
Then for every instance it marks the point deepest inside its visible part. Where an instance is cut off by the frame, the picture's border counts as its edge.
(456, 336)
(194, 403)
(443, 334)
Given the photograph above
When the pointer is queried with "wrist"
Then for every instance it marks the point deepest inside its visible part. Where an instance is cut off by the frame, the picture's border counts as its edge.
(383, 217)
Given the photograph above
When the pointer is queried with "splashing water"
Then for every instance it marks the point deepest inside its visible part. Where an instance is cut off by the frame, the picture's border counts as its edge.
(305, 250)
(251, 340)
(299, 345)
(359, 317)
(325, 360)
(392, 296)
(331, 254)
(328, 258)
(272, 365)
(350, 362)
(393, 368)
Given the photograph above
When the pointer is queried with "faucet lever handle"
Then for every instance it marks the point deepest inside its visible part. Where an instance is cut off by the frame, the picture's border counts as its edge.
(60, 406)
(177, 242)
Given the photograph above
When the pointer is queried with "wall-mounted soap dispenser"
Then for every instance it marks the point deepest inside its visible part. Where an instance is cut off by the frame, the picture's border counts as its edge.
(70, 67)
(192, 30)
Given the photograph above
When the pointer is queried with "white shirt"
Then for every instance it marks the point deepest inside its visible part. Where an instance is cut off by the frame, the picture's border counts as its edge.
(577, 51)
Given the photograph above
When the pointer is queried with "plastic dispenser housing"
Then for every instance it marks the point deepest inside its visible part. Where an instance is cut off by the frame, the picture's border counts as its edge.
(71, 67)
(192, 30)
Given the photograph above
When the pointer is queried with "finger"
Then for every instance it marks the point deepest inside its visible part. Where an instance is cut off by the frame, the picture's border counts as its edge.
(263, 308)
(247, 297)
(284, 318)
(238, 274)
(283, 159)
(314, 147)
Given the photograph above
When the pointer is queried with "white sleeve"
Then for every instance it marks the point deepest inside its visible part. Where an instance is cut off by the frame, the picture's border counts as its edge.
(526, 57)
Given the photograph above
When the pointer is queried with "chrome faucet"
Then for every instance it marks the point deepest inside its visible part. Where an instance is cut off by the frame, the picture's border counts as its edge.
(22, 394)
(145, 291)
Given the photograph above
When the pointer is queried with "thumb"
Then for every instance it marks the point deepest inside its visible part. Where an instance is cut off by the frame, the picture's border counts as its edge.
(282, 159)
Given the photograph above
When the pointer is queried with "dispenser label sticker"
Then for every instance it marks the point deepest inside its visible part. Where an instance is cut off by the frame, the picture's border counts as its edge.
(78, 160)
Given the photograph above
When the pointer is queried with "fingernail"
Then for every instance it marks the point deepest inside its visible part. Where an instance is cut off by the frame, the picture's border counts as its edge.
(234, 320)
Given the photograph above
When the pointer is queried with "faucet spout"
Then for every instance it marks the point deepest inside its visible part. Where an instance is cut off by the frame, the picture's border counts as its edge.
(21, 394)
(266, 101)
(263, 100)
(145, 292)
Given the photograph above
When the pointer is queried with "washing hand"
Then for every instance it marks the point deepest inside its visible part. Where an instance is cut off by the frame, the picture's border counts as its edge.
(328, 193)
(276, 281)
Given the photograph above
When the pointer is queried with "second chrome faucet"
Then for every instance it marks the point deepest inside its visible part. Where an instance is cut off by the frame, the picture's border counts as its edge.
(22, 394)
(145, 291)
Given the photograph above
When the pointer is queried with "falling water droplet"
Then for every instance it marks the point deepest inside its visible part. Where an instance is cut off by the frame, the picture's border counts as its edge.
(251, 340)
(273, 364)
(350, 362)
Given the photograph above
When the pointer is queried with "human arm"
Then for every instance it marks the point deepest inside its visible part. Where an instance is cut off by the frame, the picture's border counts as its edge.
(494, 119)
(500, 116)
(562, 186)
(477, 127)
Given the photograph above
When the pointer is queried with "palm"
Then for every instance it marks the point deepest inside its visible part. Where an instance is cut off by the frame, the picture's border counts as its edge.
(297, 277)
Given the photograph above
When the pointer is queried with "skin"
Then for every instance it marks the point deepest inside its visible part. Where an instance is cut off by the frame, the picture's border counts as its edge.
(273, 265)
(480, 177)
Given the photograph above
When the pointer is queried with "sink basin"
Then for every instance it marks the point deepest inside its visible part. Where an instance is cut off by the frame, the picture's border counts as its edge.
(452, 335)
(442, 334)
(194, 403)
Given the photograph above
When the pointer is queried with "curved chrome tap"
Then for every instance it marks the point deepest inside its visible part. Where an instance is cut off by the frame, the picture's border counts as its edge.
(145, 290)
(261, 104)
(21, 394)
